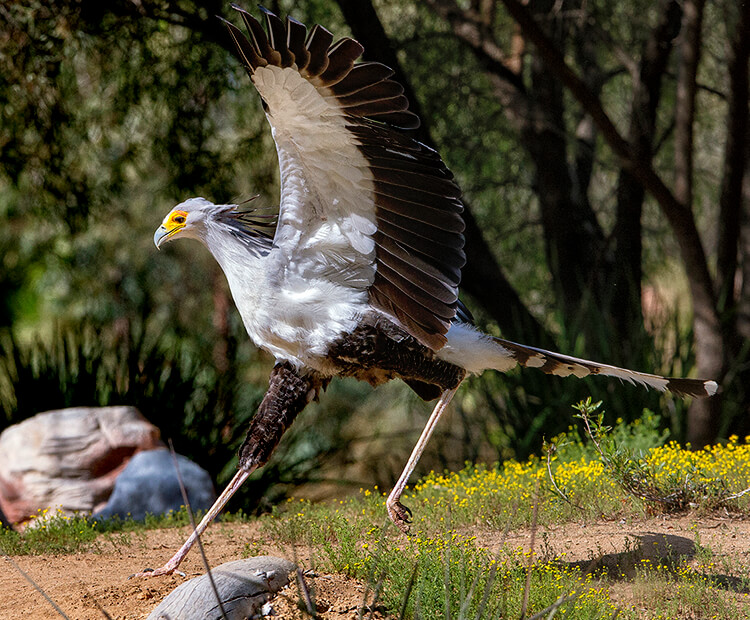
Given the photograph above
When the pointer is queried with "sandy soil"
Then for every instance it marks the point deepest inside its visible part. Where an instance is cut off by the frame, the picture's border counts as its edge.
(84, 583)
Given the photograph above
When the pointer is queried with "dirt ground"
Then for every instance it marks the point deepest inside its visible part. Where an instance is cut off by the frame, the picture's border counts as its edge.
(83, 584)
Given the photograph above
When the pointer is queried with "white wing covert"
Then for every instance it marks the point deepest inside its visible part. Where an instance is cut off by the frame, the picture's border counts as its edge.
(361, 203)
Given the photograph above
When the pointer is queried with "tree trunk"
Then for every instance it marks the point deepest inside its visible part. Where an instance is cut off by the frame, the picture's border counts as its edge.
(743, 306)
(627, 234)
(689, 56)
(702, 416)
(571, 237)
(719, 350)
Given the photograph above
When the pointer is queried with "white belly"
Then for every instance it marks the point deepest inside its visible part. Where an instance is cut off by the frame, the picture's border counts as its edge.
(299, 325)
(289, 314)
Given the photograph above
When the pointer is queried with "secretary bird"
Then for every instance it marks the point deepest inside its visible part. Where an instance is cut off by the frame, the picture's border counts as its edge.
(360, 277)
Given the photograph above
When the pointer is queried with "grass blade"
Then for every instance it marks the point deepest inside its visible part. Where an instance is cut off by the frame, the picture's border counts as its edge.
(407, 595)
(534, 524)
(36, 587)
(185, 498)
(305, 591)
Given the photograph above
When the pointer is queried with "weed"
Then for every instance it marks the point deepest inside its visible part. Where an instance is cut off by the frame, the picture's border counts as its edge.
(668, 478)
(54, 533)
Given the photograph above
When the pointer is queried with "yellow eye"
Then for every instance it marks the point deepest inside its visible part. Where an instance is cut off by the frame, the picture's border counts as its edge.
(178, 218)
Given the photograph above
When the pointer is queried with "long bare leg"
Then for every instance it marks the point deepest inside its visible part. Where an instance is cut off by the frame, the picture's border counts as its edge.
(234, 484)
(288, 394)
(399, 513)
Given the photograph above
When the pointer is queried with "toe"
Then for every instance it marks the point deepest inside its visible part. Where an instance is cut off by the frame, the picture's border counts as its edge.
(400, 515)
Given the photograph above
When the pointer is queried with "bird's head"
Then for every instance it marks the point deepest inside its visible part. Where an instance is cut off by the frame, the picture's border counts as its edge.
(187, 219)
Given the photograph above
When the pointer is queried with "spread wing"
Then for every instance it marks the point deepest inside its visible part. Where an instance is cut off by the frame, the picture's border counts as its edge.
(361, 203)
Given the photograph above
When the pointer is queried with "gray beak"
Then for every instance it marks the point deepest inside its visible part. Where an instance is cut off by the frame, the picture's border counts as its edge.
(159, 236)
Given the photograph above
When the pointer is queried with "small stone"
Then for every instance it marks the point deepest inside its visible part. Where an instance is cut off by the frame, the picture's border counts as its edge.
(267, 610)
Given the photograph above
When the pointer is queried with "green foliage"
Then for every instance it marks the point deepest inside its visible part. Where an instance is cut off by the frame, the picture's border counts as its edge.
(668, 479)
(441, 574)
(681, 592)
(58, 533)
(624, 467)
(171, 518)
(84, 367)
(639, 436)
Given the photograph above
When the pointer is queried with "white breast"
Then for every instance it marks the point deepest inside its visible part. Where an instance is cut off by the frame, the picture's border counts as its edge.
(313, 285)
(287, 311)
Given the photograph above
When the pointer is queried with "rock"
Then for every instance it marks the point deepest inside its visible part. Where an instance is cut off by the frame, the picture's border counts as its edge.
(68, 459)
(4, 521)
(149, 484)
(243, 585)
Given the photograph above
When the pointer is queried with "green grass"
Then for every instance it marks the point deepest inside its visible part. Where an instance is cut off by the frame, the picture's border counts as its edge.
(446, 558)
(55, 534)
(58, 533)
(682, 592)
(442, 570)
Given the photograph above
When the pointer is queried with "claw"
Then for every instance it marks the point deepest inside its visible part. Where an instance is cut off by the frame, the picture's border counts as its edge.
(400, 515)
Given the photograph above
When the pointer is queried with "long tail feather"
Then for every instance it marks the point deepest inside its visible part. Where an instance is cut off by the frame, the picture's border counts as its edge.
(565, 365)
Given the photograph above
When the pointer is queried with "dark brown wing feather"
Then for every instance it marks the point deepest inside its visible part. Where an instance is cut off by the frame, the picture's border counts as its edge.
(363, 75)
(296, 41)
(318, 43)
(419, 242)
(341, 57)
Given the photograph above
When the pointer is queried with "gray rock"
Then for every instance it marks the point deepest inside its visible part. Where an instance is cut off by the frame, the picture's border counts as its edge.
(68, 459)
(243, 586)
(149, 484)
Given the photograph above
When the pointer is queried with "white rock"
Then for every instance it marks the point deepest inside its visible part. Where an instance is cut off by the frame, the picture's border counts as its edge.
(68, 459)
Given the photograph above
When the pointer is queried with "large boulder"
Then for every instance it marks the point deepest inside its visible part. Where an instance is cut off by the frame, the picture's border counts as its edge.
(68, 459)
(149, 484)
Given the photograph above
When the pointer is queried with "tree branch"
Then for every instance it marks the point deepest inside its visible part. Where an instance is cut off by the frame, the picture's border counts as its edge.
(689, 47)
(628, 233)
(678, 215)
(472, 27)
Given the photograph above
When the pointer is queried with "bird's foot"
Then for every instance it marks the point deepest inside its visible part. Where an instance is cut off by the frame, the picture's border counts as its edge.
(159, 572)
(399, 514)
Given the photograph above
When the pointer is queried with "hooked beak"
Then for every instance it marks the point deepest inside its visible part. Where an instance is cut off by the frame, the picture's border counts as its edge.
(163, 234)
(159, 236)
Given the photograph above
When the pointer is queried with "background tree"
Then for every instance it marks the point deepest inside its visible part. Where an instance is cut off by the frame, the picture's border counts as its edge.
(613, 278)
(602, 151)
